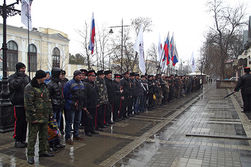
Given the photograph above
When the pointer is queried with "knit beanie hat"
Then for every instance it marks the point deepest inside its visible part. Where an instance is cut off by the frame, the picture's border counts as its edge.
(77, 72)
(19, 65)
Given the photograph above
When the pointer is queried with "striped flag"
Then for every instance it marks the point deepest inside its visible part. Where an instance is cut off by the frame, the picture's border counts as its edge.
(167, 50)
(92, 35)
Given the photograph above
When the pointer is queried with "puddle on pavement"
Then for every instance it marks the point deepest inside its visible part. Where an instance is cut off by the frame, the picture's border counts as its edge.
(142, 155)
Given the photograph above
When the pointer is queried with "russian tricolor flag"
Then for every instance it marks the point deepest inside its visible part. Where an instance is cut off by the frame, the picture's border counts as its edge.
(166, 50)
(92, 35)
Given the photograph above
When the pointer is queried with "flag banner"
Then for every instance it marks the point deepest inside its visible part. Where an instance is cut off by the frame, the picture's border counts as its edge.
(167, 50)
(172, 47)
(163, 59)
(193, 63)
(26, 13)
(159, 50)
(175, 56)
(92, 35)
(139, 48)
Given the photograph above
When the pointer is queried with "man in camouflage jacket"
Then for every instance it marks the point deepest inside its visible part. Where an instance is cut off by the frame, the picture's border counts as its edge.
(102, 98)
(38, 111)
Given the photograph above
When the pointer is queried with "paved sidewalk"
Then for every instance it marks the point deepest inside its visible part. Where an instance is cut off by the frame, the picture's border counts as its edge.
(208, 133)
(201, 129)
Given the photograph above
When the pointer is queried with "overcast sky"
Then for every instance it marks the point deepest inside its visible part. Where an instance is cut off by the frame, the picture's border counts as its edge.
(187, 19)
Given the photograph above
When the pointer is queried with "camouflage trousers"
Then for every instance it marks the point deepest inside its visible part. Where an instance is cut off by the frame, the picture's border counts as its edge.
(42, 130)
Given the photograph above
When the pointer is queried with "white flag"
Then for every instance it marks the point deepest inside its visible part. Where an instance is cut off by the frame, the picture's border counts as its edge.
(159, 50)
(26, 13)
(193, 63)
(139, 48)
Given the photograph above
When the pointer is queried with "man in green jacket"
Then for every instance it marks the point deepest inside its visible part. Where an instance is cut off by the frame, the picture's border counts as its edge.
(38, 111)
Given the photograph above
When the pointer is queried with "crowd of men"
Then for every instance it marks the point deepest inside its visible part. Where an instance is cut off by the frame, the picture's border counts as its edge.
(90, 100)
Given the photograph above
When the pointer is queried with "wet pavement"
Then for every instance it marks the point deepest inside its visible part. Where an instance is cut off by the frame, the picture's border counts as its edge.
(201, 129)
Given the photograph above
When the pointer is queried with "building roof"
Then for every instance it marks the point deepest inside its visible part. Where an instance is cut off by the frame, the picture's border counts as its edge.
(41, 31)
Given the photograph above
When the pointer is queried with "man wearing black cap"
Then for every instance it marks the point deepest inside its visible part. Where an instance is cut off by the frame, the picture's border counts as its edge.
(38, 111)
(125, 84)
(91, 103)
(84, 74)
(83, 79)
(63, 81)
(18, 81)
(132, 95)
(244, 83)
(151, 86)
(75, 102)
(117, 97)
(108, 82)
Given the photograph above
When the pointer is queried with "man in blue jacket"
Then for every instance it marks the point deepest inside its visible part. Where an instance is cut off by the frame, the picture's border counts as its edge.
(75, 102)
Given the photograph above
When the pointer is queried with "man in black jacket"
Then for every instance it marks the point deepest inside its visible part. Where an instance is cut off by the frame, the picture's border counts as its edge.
(91, 103)
(125, 84)
(56, 94)
(244, 83)
(18, 81)
(108, 82)
(118, 98)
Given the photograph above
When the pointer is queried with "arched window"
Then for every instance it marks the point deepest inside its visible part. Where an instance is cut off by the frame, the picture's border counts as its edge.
(56, 58)
(33, 57)
(12, 55)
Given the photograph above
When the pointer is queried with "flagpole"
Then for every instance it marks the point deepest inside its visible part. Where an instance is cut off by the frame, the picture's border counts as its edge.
(29, 68)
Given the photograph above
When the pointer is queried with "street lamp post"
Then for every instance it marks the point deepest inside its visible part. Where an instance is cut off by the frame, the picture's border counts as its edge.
(6, 108)
(122, 35)
(201, 76)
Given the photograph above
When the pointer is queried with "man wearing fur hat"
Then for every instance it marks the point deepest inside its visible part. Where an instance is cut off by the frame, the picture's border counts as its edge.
(38, 111)
(18, 81)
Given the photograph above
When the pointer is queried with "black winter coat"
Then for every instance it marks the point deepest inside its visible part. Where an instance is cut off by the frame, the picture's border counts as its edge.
(244, 83)
(125, 86)
(116, 91)
(17, 83)
(55, 88)
(108, 83)
(91, 94)
(139, 91)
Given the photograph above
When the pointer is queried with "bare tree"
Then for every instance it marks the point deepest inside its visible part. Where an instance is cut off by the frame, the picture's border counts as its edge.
(227, 22)
(85, 42)
(146, 22)
(130, 59)
(151, 60)
(103, 39)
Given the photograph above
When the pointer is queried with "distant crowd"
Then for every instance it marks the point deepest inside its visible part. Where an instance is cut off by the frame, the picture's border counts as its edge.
(90, 100)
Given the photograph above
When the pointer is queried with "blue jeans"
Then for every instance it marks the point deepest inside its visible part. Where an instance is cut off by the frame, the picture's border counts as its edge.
(57, 114)
(142, 105)
(136, 104)
(72, 117)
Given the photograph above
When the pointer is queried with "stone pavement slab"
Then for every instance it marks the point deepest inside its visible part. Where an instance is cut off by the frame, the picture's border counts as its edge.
(211, 115)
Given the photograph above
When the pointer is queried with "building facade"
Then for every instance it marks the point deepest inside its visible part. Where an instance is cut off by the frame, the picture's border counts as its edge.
(48, 48)
(244, 60)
